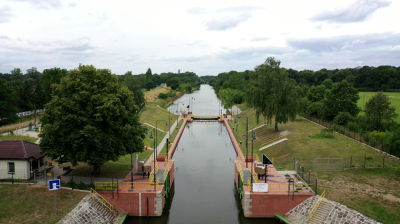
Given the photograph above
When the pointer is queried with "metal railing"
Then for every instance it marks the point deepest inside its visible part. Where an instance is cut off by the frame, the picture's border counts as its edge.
(105, 186)
(274, 140)
(137, 186)
(257, 159)
(101, 200)
(253, 172)
(166, 171)
(205, 115)
(240, 169)
(315, 208)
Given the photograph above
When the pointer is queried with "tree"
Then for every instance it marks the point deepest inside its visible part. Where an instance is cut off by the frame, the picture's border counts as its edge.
(8, 102)
(317, 93)
(90, 119)
(134, 85)
(342, 98)
(49, 77)
(272, 93)
(379, 109)
(173, 83)
(26, 97)
(17, 78)
(328, 83)
(149, 85)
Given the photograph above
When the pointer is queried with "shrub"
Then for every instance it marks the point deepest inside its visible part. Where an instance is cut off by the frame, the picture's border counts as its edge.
(343, 118)
(368, 157)
(162, 96)
(353, 126)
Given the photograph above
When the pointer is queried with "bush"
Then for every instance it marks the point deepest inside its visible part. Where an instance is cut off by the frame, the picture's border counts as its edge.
(353, 126)
(343, 118)
(162, 96)
(368, 157)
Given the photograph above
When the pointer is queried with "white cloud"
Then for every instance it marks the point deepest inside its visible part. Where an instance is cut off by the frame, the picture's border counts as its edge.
(227, 22)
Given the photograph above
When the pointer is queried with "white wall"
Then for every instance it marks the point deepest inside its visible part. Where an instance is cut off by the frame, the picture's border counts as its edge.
(22, 170)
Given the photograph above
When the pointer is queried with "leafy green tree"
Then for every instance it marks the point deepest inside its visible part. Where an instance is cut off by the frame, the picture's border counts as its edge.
(49, 77)
(328, 83)
(272, 93)
(8, 102)
(343, 118)
(317, 93)
(379, 109)
(26, 96)
(149, 85)
(90, 119)
(134, 85)
(173, 83)
(342, 98)
(17, 78)
(392, 141)
(316, 109)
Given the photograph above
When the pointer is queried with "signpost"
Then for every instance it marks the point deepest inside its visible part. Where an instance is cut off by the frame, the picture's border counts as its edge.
(266, 160)
(260, 187)
(53, 186)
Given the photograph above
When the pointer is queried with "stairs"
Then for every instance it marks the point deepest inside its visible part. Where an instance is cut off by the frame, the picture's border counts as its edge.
(323, 210)
(90, 210)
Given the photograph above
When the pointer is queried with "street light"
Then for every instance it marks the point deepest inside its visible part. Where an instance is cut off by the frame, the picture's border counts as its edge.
(166, 124)
(154, 148)
(252, 161)
(146, 133)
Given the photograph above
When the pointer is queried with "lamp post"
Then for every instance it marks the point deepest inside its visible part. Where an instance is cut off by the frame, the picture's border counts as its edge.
(166, 124)
(247, 131)
(146, 132)
(154, 148)
(251, 171)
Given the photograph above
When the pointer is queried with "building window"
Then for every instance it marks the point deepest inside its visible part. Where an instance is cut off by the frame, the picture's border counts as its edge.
(11, 167)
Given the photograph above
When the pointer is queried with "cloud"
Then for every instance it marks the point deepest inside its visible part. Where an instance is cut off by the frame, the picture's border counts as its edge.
(45, 4)
(2, 37)
(251, 53)
(243, 8)
(227, 22)
(193, 43)
(5, 14)
(196, 10)
(346, 42)
(260, 38)
(356, 12)
(188, 59)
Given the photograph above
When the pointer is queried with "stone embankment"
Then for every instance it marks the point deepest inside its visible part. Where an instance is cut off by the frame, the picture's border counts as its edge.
(90, 210)
(328, 212)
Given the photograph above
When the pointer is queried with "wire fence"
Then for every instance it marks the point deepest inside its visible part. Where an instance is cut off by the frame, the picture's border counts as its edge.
(21, 175)
(390, 149)
(306, 175)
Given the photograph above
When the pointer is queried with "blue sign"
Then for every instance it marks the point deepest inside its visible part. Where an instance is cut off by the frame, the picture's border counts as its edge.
(54, 184)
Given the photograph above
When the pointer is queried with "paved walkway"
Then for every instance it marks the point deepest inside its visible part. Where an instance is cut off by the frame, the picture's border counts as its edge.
(162, 143)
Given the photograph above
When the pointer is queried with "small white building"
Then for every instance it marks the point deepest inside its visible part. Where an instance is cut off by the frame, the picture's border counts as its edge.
(18, 158)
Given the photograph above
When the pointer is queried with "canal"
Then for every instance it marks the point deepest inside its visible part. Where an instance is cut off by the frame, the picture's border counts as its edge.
(204, 190)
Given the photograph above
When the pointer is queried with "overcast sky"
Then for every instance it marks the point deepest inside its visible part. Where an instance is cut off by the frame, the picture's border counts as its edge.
(207, 38)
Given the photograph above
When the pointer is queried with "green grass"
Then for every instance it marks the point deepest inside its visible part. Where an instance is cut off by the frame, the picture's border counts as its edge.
(18, 137)
(172, 138)
(394, 98)
(32, 204)
(299, 145)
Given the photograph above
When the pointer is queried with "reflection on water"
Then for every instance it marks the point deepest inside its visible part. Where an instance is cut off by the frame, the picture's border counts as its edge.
(204, 190)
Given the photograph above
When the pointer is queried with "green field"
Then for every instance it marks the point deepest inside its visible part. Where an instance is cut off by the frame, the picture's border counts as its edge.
(394, 99)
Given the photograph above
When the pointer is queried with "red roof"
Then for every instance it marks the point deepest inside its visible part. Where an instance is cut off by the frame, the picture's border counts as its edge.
(18, 149)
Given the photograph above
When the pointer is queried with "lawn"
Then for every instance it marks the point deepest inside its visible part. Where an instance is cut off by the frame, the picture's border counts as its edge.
(299, 144)
(394, 98)
(18, 137)
(33, 204)
(373, 192)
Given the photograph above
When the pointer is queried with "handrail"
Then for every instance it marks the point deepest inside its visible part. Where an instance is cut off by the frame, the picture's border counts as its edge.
(166, 171)
(274, 140)
(315, 208)
(151, 177)
(103, 186)
(257, 158)
(156, 169)
(253, 172)
(102, 200)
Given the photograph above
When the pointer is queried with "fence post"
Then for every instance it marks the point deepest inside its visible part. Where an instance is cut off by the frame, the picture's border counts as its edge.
(351, 161)
(328, 165)
(383, 161)
(342, 164)
(365, 159)
(72, 183)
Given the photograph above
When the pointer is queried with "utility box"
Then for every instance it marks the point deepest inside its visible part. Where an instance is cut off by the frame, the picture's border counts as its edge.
(146, 168)
(260, 170)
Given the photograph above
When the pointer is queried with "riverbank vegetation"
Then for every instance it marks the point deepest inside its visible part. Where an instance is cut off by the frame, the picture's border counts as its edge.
(325, 96)
(35, 204)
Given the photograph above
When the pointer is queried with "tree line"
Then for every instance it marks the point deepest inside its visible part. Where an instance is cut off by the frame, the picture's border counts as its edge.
(279, 94)
(26, 91)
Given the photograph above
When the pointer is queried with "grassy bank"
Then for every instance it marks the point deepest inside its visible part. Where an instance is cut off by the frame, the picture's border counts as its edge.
(301, 146)
(373, 192)
(394, 98)
(32, 204)
(18, 137)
